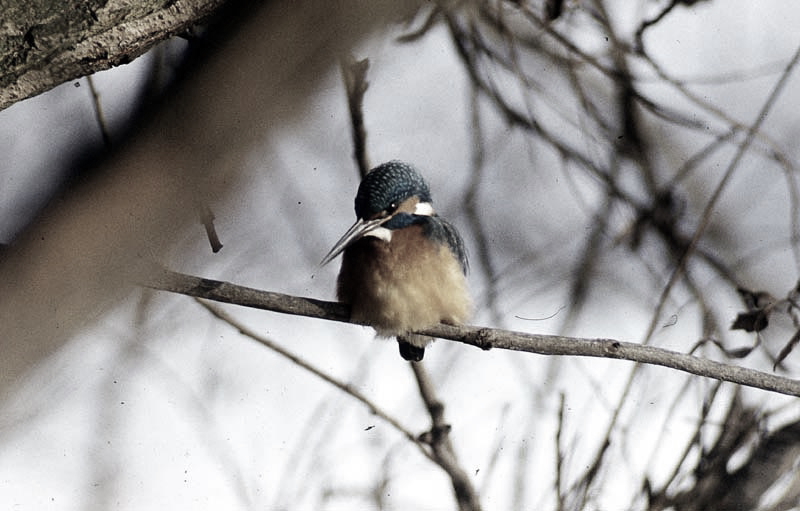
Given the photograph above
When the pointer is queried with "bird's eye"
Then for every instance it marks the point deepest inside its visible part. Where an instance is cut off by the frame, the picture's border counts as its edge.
(392, 207)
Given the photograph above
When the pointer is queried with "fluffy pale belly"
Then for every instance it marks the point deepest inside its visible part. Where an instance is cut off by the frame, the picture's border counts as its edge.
(395, 287)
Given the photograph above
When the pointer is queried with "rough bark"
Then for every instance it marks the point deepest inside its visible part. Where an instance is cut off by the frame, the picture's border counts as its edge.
(44, 44)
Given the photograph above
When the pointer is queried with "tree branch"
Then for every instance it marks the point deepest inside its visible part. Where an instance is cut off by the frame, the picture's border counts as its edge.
(484, 338)
(435, 444)
(354, 73)
(441, 448)
(45, 47)
(343, 386)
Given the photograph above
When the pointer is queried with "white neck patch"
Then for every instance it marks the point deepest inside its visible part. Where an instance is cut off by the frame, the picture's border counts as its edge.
(423, 209)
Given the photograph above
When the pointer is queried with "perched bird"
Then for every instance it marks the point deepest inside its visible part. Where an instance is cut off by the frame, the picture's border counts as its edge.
(404, 267)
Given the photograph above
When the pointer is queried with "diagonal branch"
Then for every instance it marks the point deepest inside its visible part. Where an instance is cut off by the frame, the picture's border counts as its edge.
(442, 449)
(435, 445)
(484, 338)
(345, 387)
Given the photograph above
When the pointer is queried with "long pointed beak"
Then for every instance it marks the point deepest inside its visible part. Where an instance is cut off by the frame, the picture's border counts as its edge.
(355, 232)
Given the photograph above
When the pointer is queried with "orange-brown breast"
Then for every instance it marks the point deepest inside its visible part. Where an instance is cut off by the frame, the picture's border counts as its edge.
(403, 285)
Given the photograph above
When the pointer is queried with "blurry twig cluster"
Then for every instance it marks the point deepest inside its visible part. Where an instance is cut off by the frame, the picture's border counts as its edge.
(593, 107)
(586, 90)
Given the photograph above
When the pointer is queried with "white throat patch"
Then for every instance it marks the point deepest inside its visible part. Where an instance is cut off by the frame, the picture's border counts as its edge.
(381, 233)
(422, 209)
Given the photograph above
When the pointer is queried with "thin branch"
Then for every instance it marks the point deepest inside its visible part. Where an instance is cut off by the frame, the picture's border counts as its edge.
(688, 252)
(207, 219)
(354, 73)
(705, 217)
(98, 112)
(441, 450)
(489, 468)
(484, 338)
(439, 440)
(559, 484)
(652, 21)
(375, 409)
(696, 439)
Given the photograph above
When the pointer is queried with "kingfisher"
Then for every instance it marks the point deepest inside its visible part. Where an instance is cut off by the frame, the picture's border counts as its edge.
(403, 266)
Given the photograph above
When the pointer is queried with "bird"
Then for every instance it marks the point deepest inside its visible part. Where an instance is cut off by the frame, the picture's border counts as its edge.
(404, 268)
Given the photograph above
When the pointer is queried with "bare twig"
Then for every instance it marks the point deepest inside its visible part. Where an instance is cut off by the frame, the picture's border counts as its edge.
(683, 260)
(244, 330)
(98, 112)
(489, 468)
(696, 438)
(705, 217)
(559, 491)
(650, 22)
(442, 448)
(354, 73)
(484, 338)
(207, 219)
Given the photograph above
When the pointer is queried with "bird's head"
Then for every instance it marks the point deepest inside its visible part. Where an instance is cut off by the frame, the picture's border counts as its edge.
(389, 197)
